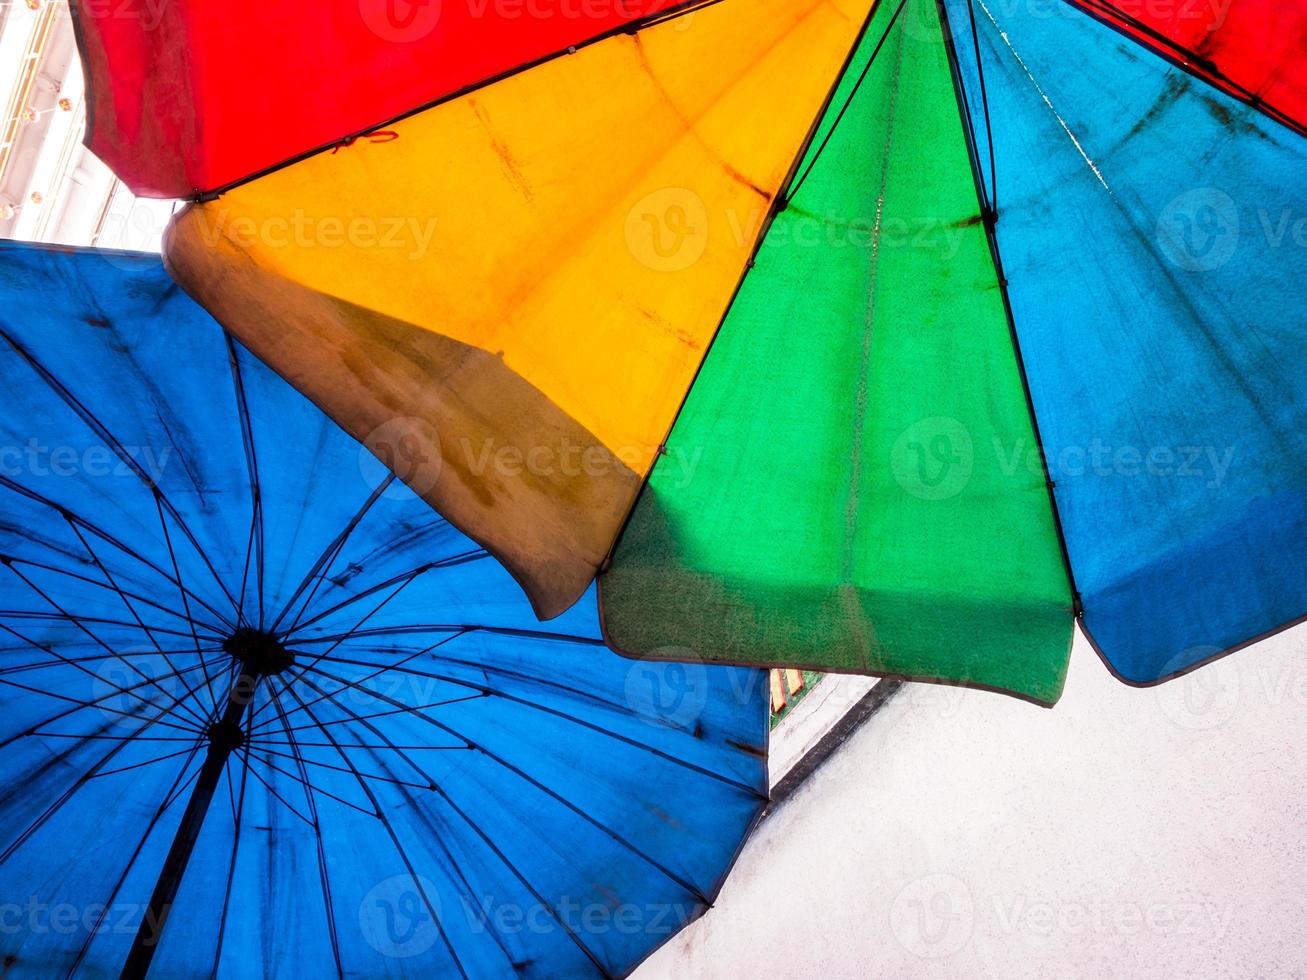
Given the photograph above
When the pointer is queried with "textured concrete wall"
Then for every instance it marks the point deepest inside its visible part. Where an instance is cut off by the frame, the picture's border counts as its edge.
(1140, 833)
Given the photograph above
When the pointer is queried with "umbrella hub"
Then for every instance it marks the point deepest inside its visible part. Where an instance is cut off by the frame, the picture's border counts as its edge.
(260, 652)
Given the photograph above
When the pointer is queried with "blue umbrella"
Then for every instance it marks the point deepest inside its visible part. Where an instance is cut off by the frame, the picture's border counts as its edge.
(263, 713)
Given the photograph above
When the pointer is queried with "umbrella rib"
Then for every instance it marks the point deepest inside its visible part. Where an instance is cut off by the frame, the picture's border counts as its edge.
(452, 628)
(136, 616)
(582, 722)
(249, 767)
(394, 839)
(238, 810)
(113, 584)
(453, 561)
(324, 877)
(308, 784)
(67, 795)
(103, 534)
(690, 888)
(26, 614)
(136, 853)
(793, 189)
(90, 673)
(100, 429)
(256, 544)
(46, 664)
(83, 705)
(327, 765)
(516, 873)
(486, 669)
(324, 561)
(383, 669)
(435, 787)
(300, 671)
(141, 765)
(176, 567)
(393, 711)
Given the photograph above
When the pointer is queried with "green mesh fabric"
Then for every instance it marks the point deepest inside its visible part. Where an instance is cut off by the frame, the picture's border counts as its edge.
(853, 483)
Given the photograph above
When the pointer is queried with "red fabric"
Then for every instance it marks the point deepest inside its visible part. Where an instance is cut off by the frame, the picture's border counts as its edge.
(1256, 50)
(189, 97)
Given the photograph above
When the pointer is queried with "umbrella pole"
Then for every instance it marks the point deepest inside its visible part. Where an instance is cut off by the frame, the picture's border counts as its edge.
(224, 738)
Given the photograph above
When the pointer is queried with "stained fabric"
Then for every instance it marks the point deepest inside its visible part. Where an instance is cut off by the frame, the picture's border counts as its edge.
(188, 97)
(848, 486)
(436, 786)
(1150, 233)
(1252, 50)
(524, 281)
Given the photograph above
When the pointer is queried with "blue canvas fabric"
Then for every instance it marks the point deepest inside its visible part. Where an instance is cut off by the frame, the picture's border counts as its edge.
(1153, 232)
(439, 786)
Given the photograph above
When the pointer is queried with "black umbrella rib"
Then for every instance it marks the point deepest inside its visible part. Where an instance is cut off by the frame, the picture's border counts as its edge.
(68, 794)
(158, 606)
(451, 562)
(136, 616)
(299, 671)
(487, 669)
(237, 812)
(260, 747)
(256, 542)
(90, 673)
(358, 597)
(260, 753)
(103, 534)
(525, 702)
(378, 673)
(249, 767)
(111, 738)
(453, 628)
(113, 584)
(100, 429)
(618, 838)
(32, 614)
(324, 877)
(136, 853)
(399, 847)
(443, 703)
(148, 762)
(318, 570)
(81, 705)
(177, 570)
(47, 664)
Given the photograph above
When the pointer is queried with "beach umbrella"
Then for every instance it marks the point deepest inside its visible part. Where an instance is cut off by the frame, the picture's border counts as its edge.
(1095, 235)
(264, 713)
(1002, 302)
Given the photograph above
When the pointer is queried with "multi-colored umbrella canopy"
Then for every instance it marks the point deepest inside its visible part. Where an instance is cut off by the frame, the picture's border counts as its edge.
(865, 379)
(258, 700)
(1002, 302)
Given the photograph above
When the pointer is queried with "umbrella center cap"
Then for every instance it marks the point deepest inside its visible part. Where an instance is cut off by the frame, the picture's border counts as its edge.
(258, 651)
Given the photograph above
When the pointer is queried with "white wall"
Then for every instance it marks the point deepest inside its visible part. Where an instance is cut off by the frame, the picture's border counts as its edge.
(1141, 833)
